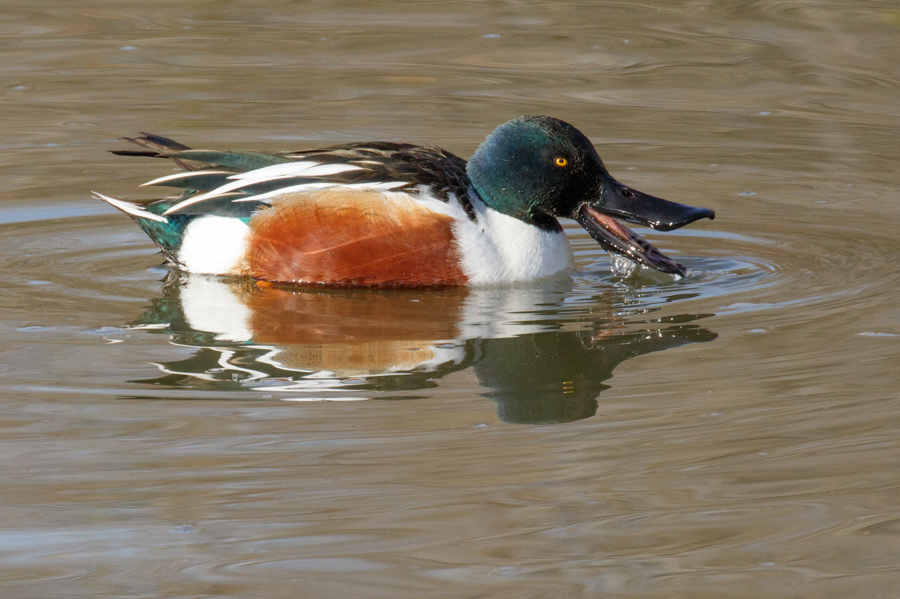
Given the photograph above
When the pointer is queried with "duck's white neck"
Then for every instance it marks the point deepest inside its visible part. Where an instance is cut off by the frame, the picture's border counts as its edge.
(497, 248)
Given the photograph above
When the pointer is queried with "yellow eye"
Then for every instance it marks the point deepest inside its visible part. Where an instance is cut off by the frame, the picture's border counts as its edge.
(561, 161)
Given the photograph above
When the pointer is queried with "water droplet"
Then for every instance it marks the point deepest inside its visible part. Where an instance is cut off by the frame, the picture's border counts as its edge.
(621, 266)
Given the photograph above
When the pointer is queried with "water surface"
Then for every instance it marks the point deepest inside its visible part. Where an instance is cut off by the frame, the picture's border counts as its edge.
(731, 434)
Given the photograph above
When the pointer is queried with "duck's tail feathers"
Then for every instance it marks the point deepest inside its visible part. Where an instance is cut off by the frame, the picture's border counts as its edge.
(158, 147)
(135, 211)
(165, 231)
(231, 162)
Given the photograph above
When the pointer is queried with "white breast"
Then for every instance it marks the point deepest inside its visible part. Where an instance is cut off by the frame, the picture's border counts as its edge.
(500, 249)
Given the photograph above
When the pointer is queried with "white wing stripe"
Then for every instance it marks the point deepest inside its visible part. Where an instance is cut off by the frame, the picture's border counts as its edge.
(290, 189)
(186, 203)
(383, 186)
(276, 171)
(273, 173)
(177, 176)
(296, 169)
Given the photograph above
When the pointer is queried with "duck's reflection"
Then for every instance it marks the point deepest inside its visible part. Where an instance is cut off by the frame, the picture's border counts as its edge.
(540, 354)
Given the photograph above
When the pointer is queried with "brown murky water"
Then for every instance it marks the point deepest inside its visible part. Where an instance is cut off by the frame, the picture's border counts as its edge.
(732, 434)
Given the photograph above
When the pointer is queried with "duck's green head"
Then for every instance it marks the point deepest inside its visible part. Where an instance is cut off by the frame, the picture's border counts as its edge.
(538, 169)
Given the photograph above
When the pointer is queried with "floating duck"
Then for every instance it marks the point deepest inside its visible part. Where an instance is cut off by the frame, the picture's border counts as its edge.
(383, 214)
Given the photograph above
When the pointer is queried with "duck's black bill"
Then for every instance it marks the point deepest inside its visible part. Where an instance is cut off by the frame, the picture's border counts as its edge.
(630, 205)
(618, 201)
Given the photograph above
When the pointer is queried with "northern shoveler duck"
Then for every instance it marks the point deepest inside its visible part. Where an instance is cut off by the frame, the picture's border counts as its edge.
(386, 214)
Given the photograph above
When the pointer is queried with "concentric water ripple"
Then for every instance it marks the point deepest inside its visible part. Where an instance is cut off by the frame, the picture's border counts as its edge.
(367, 343)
